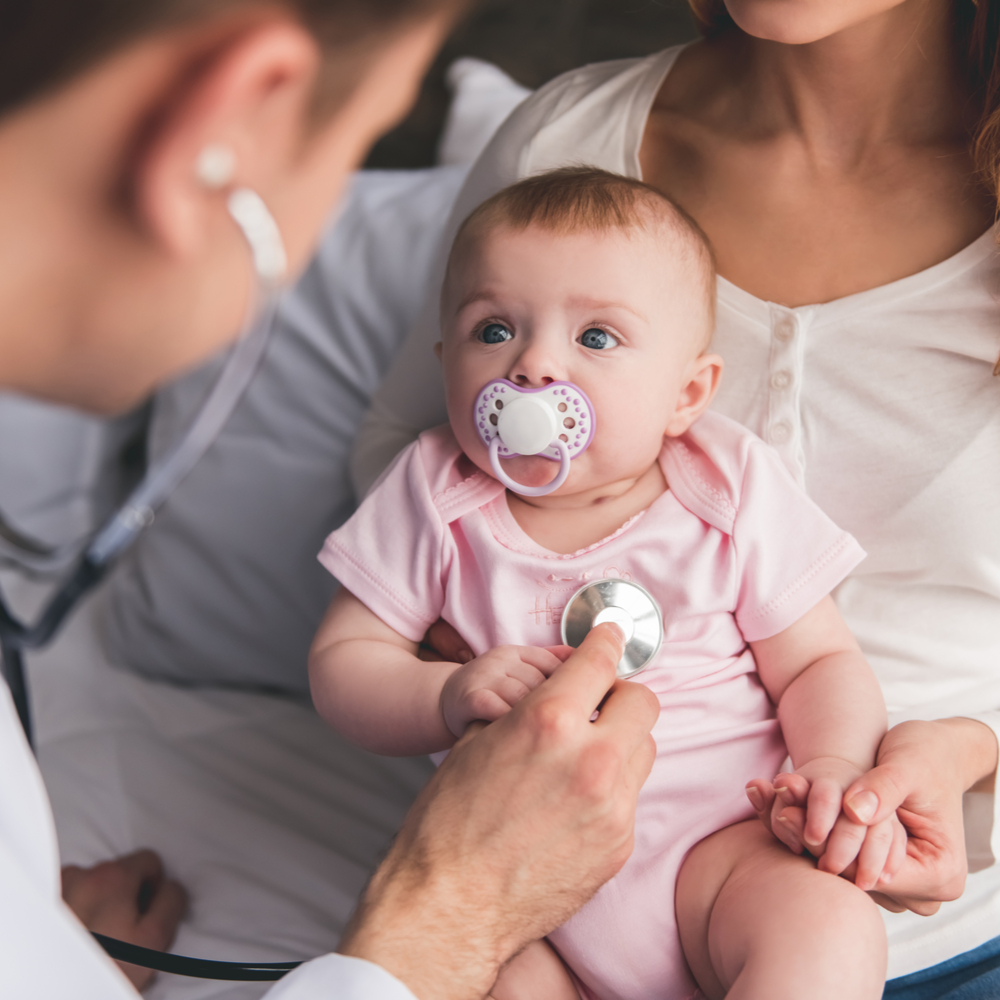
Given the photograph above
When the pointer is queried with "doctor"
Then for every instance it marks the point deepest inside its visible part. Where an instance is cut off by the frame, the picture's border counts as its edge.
(120, 266)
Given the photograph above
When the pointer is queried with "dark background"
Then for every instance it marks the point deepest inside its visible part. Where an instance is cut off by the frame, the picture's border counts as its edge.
(533, 41)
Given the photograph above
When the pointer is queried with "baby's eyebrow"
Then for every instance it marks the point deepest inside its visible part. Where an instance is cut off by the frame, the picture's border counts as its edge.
(483, 295)
(598, 305)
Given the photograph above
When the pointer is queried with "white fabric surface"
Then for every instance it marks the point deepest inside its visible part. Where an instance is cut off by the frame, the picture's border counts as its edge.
(883, 404)
(271, 821)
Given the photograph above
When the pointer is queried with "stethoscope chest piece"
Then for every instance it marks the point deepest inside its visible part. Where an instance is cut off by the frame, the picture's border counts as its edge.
(629, 606)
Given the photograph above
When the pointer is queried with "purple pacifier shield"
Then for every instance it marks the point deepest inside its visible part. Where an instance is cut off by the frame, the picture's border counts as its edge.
(573, 410)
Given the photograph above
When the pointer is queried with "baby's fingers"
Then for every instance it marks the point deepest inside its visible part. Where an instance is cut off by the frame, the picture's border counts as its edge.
(823, 808)
(485, 705)
(761, 796)
(787, 825)
(543, 660)
(842, 846)
(792, 789)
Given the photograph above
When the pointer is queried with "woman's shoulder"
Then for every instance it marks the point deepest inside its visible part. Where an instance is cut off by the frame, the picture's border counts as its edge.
(593, 115)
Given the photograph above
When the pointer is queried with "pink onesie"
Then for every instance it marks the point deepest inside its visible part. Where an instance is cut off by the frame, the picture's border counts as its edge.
(732, 551)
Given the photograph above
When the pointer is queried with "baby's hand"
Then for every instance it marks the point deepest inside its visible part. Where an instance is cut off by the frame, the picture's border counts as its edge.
(804, 810)
(492, 684)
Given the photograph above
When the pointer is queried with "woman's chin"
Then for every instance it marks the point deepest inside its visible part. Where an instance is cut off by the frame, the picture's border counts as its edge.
(799, 22)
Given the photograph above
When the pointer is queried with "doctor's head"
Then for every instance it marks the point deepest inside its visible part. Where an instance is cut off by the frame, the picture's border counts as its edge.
(119, 262)
(579, 275)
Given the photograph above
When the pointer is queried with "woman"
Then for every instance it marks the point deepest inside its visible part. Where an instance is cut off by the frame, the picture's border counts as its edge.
(125, 130)
(843, 158)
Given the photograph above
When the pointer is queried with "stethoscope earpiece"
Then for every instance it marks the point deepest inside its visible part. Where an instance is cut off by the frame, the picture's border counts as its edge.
(556, 421)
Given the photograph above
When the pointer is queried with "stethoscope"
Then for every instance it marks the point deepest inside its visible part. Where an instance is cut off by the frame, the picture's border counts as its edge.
(91, 559)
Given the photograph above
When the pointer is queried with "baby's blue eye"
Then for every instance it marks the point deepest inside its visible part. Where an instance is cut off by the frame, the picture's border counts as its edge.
(597, 339)
(494, 333)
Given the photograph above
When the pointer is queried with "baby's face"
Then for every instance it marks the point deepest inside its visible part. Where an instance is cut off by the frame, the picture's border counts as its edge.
(616, 313)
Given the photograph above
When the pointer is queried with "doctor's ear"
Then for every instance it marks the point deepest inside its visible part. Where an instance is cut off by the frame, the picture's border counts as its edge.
(236, 116)
(703, 376)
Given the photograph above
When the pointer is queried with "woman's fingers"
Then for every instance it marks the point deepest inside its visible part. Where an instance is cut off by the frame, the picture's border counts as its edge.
(873, 855)
(897, 850)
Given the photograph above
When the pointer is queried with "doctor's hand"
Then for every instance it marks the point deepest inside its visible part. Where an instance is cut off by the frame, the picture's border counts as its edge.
(130, 899)
(522, 823)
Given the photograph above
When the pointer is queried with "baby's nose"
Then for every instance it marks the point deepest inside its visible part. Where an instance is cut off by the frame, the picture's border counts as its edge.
(536, 367)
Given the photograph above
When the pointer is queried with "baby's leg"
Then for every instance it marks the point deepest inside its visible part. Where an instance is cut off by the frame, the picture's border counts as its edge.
(536, 974)
(758, 922)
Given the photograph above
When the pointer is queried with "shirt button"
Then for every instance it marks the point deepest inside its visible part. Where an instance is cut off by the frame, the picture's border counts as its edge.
(781, 380)
(785, 329)
(780, 432)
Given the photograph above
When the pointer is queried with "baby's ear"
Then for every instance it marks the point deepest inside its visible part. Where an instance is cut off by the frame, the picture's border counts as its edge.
(703, 376)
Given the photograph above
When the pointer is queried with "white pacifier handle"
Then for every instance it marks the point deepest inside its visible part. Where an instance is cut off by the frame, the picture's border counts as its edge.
(520, 488)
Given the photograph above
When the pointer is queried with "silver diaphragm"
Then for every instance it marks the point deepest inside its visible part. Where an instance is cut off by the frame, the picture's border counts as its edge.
(629, 606)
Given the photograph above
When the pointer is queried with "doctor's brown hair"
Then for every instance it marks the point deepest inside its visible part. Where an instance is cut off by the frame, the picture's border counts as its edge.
(45, 43)
(977, 34)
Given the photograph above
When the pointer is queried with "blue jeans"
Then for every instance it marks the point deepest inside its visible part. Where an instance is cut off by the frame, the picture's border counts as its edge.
(974, 975)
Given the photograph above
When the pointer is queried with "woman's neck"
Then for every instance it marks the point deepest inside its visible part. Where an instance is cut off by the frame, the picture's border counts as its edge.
(894, 77)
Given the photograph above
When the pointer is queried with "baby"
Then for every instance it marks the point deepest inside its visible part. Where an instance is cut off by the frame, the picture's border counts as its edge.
(596, 292)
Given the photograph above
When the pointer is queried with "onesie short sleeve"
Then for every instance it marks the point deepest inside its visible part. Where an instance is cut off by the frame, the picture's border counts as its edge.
(786, 554)
(789, 555)
(390, 554)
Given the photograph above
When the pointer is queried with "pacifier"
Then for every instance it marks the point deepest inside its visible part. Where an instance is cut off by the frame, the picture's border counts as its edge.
(556, 421)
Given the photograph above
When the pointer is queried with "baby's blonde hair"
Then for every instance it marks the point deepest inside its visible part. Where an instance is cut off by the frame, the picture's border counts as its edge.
(581, 199)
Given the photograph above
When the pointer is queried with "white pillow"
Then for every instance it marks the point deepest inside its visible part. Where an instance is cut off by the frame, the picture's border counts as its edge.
(483, 95)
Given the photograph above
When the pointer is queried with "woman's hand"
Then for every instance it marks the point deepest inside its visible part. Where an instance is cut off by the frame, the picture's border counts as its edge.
(523, 822)
(921, 773)
(805, 814)
(127, 898)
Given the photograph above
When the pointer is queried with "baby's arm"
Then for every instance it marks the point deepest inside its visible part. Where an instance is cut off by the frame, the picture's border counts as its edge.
(368, 683)
(833, 717)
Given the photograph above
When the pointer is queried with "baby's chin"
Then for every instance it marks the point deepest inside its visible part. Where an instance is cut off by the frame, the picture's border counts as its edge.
(529, 470)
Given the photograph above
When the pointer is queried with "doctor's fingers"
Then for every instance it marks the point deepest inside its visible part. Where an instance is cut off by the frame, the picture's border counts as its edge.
(581, 683)
(117, 883)
(158, 925)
